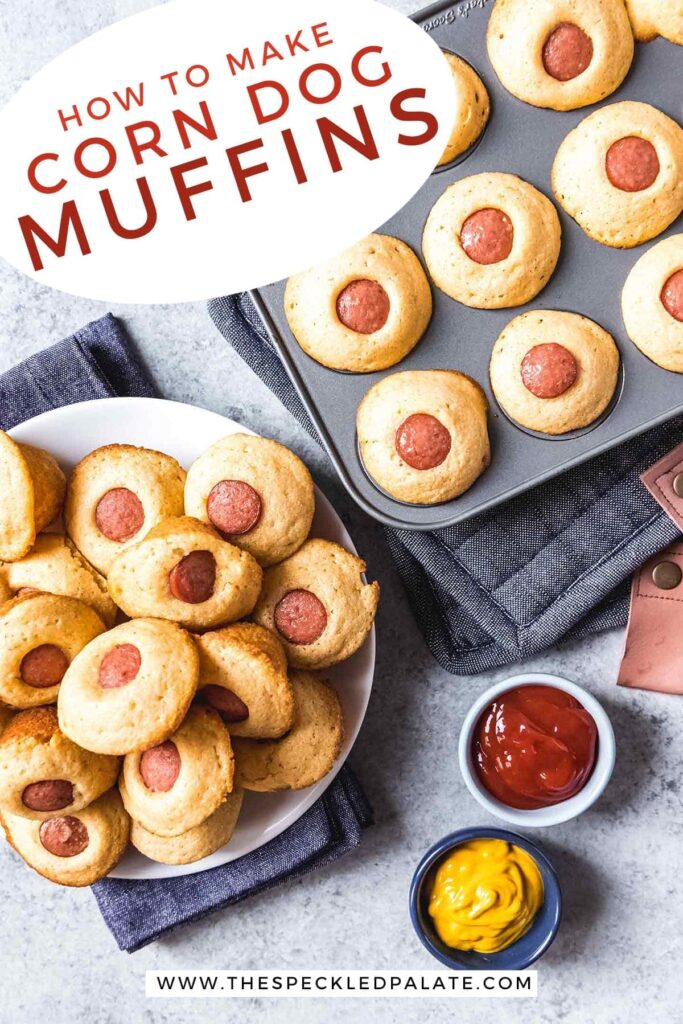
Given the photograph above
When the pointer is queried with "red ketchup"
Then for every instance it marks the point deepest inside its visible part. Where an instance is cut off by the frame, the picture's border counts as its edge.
(534, 746)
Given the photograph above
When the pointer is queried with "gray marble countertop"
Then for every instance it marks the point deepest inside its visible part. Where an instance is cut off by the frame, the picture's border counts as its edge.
(617, 957)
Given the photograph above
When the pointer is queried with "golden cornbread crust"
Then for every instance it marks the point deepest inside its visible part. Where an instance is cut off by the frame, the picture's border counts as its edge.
(195, 844)
(650, 18)
(6, 716)
(55, 566)
(31, 495)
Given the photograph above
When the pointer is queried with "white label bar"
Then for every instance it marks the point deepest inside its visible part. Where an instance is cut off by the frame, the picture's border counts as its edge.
(332, 984)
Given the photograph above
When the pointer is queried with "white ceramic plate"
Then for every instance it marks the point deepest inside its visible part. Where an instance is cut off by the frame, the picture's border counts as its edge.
(184, 431)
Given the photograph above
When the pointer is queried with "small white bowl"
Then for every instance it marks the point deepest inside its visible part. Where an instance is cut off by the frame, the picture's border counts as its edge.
(557, 813)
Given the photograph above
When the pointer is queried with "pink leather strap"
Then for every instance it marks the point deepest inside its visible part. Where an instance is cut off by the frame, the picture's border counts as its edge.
(664, 481)
(653, 657)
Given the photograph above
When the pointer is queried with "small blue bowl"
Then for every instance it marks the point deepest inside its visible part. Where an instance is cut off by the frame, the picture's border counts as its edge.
(522, 953)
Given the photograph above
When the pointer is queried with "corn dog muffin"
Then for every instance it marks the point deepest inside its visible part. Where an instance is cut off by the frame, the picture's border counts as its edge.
(472, 108)
(318, 605)
(55, 566)
(652, 304)
(42, 771)
(491, 240)
(307, 753)
(40, 635)
(362, 310)
(553, 371)
(174, 786)
(185, 572)
(255, 492)
(243, 676)
(650, 18)
(115, 496)
(130, 688)
(31, 494)
(619, 174)
(561, 54)
(423, 435)
(195, 844)
(73, 849)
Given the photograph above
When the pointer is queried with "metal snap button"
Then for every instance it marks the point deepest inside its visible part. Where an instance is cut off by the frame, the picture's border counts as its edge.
(677, 485)
(667, 575)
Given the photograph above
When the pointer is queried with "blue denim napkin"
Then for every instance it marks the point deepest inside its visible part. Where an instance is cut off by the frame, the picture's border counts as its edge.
(137, 913)
(98, 362)
(552, 564)
(95, 362)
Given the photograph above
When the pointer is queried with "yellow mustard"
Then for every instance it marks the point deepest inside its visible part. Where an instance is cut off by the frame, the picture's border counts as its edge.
(485, 896)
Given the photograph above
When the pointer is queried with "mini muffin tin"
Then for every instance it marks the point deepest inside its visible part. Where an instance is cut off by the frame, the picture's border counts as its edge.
(589, 278)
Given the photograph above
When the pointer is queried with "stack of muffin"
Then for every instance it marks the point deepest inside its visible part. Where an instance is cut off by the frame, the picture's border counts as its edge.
(136, 701)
